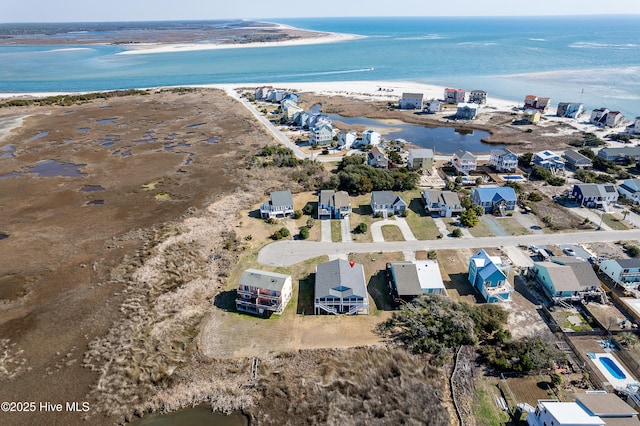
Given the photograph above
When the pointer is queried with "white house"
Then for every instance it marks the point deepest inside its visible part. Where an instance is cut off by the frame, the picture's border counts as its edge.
(570, 109)
(346, 139)
(625, 272)
(433, 106)
(556, 413)
(464, 162)
(503, 160)
(444, 203)
(280, 205)
(635, 127)
(377, 158)
(549, 160)
(411, 101)
(386, 203)
(321, 134)
(630, 189)
(371, 137)
(290, 109)
(478, 97)
(263, 293)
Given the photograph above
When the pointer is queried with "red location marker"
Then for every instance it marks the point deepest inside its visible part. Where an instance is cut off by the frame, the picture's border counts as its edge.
(352, 262)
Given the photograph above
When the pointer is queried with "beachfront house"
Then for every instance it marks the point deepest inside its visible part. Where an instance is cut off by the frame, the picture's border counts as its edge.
(598, 195)
(411, 101)
(290, 110)
(635, 127)
(478, 97)
(609, 407)
(261, 92)
(420, 159)
(321, 135)
(263, 293)
(496, 200)
(630, 189)
(534, 102)
(576, 161)
(549, 160)
(433, 106)
(385, 203)
(466, 111)
(503, 160)
(377, 158)
(443, 203)
(570, 109)
(615, 119)
(340, 288)
(333, 205)
(565, 278)
(346, 139)
(488, 275)
(622, 155)
(408, 280)
(602, 117)
(625, 272)
(280, 205)
(454, 96)
(531, 116)
(464, 162)
(371, 137)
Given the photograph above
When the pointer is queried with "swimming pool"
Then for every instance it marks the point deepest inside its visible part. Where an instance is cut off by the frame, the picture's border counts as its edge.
(512, 177)
(612, 368)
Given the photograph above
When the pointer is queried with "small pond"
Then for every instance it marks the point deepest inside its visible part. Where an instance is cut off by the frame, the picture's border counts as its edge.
(443, 140)
(53, 168)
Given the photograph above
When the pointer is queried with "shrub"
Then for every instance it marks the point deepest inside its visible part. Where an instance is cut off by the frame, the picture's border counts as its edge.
(556, 181)
(308, 209)
(524, 160)
(534, 196)
(310, 223)
(632, 250)
(280, 234)
(432, 255)
(297, 214)
(304, 233)
(272, 220)
(469, 218)
(457, 233)
(362, 228)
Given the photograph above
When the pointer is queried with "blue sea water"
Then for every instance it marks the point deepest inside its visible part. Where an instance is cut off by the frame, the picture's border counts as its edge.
(589, 59)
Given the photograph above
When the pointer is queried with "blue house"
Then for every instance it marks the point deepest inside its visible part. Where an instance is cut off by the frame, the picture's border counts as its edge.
(489, 277)
(498, 199)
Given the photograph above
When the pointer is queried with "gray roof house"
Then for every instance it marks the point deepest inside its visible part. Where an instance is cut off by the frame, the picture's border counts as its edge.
(503, 160)
(263, 292)
(595, 194)
(411, 101)
(420, 159)
(340, 288)
(333, 205)
(280, 205)
(620, 155)
(386, 203)
(576, 161)
(411, 279)
(566, 278)
(444, 203)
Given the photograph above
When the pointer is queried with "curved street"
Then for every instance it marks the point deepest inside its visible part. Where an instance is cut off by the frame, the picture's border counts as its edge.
(287, 253)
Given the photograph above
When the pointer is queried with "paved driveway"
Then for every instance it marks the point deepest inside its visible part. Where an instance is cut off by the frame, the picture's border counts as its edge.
(325, 235)
(400, 222)
(345, 226)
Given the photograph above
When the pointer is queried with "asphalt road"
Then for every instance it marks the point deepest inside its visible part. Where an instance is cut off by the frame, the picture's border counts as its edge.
(286, 253)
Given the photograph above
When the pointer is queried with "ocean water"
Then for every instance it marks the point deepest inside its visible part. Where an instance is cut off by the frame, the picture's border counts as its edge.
(594, 60)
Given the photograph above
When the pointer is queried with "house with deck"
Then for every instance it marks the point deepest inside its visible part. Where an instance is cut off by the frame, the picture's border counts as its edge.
(570, 109)
(556, 413)
(420, 159)
(454, 96)
(549, 160)
(503, 160)
(443, 203)
(534, 102)
(598, 195)
(634, 128)
(531, 116)
(464, 162)
(263, 292)
(625, 272)
(488, 275)
(622, 155)
(602, 117)
(371, 137)
(347, 139)
(321, 134)
(478, 97)
(333, 205)
(466, 111)
(411, 101)
(566, 279)
(340, 288)
(497, 200)
(290, 110)
(630, 189)
(408, 280)
(576, 161)
(387, 203)
(377, 158)
(261, 92)
(433, 106)
(280, 205)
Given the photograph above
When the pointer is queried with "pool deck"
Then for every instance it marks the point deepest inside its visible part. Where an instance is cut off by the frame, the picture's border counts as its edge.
(616, 383)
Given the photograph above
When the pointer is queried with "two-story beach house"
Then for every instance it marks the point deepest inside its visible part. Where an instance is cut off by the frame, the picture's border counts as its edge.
(340, 288)
(377, 158)
(630, 189)
(534, 102)
(531, 116)
(488, 275)
(566, 278)
(280, 205)
(387, 203)
(420, 159)
(371, 137)
(466, 111)
(478, 97)
(347, 139)
(290, 109)
(634, 128)
(570, 109)
(443, 203)
(503, 160)
(497, 200)
(549, 160)
(464, 162)
(602, 117)
(454, 96)
(598, 195)
(333, 205)
(433, 106)
(408, 280)
(263, 293)
(576, 161)
(411, 101)
(625, 272)
(622, 155)
(321, 134)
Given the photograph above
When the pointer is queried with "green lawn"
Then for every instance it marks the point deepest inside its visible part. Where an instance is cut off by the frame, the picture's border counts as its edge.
(486, 411)
(481, 230)
(422, 226)
(512, 226)
(614, 223)
(361, 213)
(336, 231)
(392, 233)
